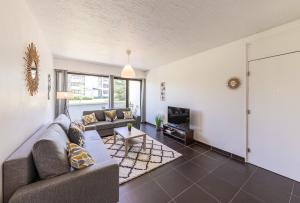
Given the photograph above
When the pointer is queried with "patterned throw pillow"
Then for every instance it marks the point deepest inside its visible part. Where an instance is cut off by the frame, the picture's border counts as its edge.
(128, 115)
(110, 115)
(90, 118)
(79, 125)
(76, 135)
(79, 158)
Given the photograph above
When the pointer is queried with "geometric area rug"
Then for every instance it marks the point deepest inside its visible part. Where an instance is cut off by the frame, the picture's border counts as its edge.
(138, 161)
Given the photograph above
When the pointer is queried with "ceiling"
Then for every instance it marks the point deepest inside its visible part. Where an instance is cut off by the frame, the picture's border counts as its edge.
(157, 31)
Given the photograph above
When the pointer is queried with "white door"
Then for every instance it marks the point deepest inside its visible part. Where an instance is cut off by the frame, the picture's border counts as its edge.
(274, 121)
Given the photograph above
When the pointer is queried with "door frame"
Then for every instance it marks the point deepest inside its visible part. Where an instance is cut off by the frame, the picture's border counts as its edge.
(247, 101)
(248, 75)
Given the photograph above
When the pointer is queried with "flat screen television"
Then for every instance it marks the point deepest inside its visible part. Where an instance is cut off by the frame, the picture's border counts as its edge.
(179, 117)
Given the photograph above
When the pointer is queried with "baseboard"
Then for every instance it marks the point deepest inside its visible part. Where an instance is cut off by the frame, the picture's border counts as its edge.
(222, 152)
(215, 149)
(149, 123)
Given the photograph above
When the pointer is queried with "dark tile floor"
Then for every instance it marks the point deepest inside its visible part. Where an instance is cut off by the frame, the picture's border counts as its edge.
(204, 176)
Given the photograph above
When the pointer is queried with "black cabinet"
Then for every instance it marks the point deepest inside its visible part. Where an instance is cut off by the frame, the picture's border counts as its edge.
(184, 135)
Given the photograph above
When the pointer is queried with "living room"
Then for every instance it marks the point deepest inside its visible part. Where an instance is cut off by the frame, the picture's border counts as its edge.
(150, 101)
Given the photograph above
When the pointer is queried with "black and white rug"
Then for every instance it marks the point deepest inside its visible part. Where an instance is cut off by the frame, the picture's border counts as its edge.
(139, 161)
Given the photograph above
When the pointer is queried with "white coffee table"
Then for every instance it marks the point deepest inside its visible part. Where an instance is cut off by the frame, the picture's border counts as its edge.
(128, 135)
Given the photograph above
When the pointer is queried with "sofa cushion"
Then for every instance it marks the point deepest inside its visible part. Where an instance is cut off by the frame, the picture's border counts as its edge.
(120, 113)
(94, 145)
(123, 122)
(76, 135)
(90, 118)
(19, 169)
(79, 157)
(50, 153)
(79, 125)
(91, 135)
(63, 121)
(110, 115)
(104, 125)
(99, 114)
(127, 115)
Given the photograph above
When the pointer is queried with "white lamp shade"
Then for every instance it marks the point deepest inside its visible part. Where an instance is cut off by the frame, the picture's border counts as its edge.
(127, 72)
(64, 95)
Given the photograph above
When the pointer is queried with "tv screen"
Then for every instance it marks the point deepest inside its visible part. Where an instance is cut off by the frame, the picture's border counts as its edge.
(179, 117)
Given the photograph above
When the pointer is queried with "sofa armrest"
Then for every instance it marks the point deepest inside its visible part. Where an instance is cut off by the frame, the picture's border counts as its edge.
(97, 183)
(137, 121)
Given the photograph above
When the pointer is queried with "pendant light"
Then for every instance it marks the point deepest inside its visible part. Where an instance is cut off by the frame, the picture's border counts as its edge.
(127, 71)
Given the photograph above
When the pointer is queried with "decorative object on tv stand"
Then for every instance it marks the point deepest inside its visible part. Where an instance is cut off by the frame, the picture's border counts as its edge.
(129, 126)
(234, 83)
(128, 71)
(65, 96)
(32, 63)
(49, 86)
(158, 121)
(162, 91)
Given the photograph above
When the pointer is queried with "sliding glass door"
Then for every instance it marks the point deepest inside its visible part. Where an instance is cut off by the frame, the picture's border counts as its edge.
(127, 93)
(120, 93)
(134, 98)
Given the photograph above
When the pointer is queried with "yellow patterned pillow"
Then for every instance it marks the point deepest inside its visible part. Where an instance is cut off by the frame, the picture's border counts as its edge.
(127, 114)
(90, 118)
(79, 158)
(110, 115)
(79, 125)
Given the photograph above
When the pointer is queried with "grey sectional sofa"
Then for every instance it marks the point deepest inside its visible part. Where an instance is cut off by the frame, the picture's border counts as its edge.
(106, 128)
(97, 183)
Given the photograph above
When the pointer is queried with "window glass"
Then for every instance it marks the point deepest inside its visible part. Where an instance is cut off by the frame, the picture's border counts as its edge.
(90, 93)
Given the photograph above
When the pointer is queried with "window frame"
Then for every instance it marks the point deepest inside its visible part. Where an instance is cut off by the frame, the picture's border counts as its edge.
(111, 86)
(127, 89)
(90, 74)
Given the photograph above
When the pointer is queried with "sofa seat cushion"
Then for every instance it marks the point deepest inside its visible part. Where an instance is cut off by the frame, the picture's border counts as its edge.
(97, 150)
(104, 125)
(122, 122)
(50, 153)
(91, 135)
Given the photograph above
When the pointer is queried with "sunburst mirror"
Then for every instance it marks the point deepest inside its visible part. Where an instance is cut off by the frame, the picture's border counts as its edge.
(234, 83)
(32, 62)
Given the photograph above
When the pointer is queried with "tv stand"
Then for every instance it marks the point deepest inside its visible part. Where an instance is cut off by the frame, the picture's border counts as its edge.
(184, 135)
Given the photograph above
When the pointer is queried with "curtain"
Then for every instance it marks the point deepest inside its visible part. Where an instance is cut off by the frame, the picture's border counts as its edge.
(143, 101)
(61, 85)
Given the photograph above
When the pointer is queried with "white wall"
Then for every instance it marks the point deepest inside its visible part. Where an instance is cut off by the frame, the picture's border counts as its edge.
(198, 82)
(21, 114)
(92, 68)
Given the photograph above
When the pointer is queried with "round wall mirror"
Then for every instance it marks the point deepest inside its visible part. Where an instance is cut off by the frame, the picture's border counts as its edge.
(32, 61)
(234, 83)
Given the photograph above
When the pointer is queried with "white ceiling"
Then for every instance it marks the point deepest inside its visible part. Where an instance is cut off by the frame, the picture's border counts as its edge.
(157, 31)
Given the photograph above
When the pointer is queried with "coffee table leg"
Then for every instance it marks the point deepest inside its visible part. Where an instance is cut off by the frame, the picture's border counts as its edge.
(126, 147)
(144, 142)
(115, 137)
